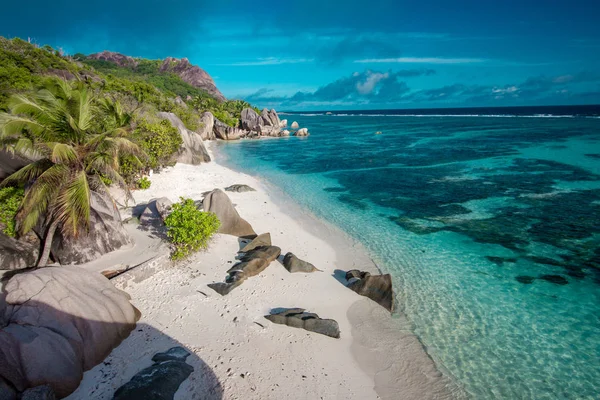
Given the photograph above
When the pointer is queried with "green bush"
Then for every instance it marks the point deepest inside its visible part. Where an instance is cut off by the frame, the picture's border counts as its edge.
(144, 183)
(10, 200)
(189, 229)
(159, 140)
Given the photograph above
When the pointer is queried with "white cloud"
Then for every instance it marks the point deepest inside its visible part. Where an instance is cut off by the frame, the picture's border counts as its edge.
(506, 90)
(268, 61)
(372, 80)
(421, 60)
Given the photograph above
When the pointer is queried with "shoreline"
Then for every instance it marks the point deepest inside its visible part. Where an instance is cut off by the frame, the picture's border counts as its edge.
(377, 356)
(380, 358)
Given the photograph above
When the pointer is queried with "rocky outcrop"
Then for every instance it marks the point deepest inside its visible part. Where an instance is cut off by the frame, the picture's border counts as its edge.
(105, 234)
(283, 123)
(376, 287)
(285, 133)
(56, 323)
(192, 150)
(10, 163)
(43, 392)
(17, 254)
(192, 74)
(270, 118)
(115, 58)
(295, 125)
(302, 132)
(294, 264)
(251, 263)
(262, 240)
(225, 132)
(298, 318)
(239, 188)
(155, 212)
(231, 222)
(250, 120)
(161, 380)
(206, 131)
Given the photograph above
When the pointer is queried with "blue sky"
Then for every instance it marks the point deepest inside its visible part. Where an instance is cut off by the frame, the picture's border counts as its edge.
(321, 55)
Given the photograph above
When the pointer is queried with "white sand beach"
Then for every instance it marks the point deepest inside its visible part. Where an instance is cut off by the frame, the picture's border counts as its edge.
(236, 352)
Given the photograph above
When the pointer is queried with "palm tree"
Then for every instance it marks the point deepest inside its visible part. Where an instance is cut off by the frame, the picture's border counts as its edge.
(74, 138)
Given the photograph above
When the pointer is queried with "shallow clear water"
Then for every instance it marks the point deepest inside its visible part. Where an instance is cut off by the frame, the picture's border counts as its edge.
(489, 226)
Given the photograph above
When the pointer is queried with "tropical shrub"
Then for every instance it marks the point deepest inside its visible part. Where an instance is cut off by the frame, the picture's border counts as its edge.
(144, 183)
(160, 140)
(189, 229)
(10, 199)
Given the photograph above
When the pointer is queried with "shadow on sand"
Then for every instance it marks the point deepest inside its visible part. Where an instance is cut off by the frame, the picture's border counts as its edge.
(56, 347)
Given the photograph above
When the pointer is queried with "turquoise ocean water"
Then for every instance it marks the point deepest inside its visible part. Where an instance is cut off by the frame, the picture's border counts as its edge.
(490, 227)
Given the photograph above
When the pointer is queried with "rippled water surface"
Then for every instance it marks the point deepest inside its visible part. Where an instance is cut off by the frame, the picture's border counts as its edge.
(490, 227)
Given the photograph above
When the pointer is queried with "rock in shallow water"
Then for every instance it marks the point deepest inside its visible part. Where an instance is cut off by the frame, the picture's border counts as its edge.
(376, 287)
(526, 280)
(297, 318)
(161, 380)
(556, 279)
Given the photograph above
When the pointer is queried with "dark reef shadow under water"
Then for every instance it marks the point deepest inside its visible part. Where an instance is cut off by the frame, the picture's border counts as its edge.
(496, 245)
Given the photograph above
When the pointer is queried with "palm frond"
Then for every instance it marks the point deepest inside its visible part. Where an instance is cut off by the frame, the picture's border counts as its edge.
(40, 196)
(28, 173)
(62, 153)
(11, 125)
(73, 204)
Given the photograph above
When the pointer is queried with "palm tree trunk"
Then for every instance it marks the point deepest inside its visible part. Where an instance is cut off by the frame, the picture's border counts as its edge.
(43, 261)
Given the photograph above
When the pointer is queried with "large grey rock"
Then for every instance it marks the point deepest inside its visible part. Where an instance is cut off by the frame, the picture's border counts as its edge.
(192, 150)
(16, 254)
(269, 130)
(250, 120)
(239, 188)
(44, 392)
(252, 263)
(231, 222)
(56, 323)
(284, 133)
(297, 318)
(225, 132)
(106, 234)
(275, 118)
(261, 240)
(283, 123)
(206, 131)
(295, 125)
(6, 391)
(294, 264)
(155, 212)
(161, 380)
(376, 287)
(267, 118)
(302, 132)
(10, 163)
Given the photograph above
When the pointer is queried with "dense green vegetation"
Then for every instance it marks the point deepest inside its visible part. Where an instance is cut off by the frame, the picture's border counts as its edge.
(140, 84)
(147, 71)
(160, 141)
(144, 183)
(189, 229)
(10, 199)
(78, 137)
